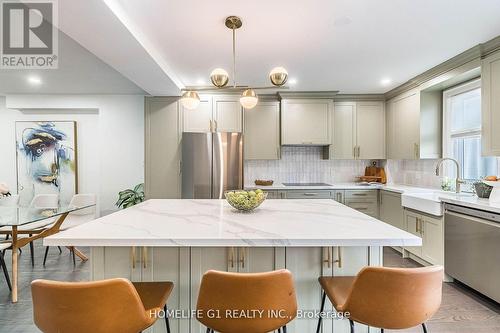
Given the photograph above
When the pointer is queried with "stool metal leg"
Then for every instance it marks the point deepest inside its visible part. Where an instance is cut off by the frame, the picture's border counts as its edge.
(167, 323)
(424, 327)
(284, 329)
(352, 325)
(323, 299)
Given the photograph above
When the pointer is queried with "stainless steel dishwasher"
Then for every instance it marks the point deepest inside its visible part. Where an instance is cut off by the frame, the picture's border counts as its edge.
(472, 248)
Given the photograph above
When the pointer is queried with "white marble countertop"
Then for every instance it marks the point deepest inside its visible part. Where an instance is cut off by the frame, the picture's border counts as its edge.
(281, 222)
(466, 201)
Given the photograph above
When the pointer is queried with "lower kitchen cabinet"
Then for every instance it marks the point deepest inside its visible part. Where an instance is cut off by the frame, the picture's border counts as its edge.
(365, 201)
(185, 267)
(431, 230)
(307, 194)
(391, 209)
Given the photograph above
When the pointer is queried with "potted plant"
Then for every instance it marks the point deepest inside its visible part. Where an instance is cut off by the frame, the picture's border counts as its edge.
(130, 197)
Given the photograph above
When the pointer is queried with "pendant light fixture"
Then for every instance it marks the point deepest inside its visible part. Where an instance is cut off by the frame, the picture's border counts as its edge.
(220, 78)
(190, 100)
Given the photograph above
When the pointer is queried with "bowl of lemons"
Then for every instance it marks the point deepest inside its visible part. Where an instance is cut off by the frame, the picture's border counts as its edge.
(245, 200)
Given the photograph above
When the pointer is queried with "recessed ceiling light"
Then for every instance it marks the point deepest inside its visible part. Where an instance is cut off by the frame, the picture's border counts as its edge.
(34, 80)
(385, 81)
(292, 81)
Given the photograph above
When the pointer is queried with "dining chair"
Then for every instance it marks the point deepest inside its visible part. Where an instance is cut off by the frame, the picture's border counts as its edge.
(77, 218)
(387, 298)
(270, 292)
(107, 306)
(4, 246)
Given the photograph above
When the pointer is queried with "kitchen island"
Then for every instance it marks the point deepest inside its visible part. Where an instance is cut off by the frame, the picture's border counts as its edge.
(178, 240)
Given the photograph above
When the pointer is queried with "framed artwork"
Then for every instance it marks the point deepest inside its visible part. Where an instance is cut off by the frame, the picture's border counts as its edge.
(46, 159)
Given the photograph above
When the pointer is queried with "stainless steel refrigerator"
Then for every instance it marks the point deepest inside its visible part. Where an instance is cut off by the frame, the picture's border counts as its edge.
(211, 164)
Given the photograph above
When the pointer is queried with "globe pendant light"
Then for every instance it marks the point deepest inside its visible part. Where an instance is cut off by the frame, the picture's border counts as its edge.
(278, 76)
(190, 100)
(219, 77)
(249, 99)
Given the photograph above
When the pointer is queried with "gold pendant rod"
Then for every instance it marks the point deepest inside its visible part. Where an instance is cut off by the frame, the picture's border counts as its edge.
(234, 58)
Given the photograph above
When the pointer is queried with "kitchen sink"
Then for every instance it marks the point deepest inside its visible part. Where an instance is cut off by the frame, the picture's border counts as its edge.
(430, 202)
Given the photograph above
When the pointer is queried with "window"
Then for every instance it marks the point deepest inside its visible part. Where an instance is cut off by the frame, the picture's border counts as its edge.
(462, 132)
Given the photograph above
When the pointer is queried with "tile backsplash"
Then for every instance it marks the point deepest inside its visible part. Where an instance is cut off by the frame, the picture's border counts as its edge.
(304, 164)
(413, 172)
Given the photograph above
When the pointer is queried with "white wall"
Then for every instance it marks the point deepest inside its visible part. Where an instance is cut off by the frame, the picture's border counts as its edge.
(110, 139)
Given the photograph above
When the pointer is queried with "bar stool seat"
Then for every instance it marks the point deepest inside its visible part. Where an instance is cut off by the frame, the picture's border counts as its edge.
(269, 292)
(388, 298)
(337, 289)
(107, 306)
(153, 294)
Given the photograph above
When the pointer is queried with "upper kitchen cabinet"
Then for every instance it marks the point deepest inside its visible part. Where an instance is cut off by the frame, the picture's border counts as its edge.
(359, 130)
(262, 131)
(490, 91)
(227, 114)
(306, 121)
(214, 114)
(414, 123)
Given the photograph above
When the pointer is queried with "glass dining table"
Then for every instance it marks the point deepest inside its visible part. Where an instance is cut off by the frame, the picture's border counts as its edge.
(22, 225)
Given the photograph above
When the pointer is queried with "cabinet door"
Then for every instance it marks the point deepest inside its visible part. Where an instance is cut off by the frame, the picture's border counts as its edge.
(114, 262)
(406, 114)
(306, 122)
(306, 266)
(391, 209)
(490, 97)
(200, 119)
(169, 264)
(370, 131)
(262, 132)
(202, 260)
(344, 122)
(352, 260)
(256, 259)
(227, 114)
(413, 225)
(163, 151)
(433, 240)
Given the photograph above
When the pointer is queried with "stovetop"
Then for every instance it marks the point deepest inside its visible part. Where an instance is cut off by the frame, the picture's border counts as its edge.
(306, 184)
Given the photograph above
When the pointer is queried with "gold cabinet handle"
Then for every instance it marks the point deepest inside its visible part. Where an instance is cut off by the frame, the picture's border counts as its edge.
(231, 257)
(215, 126)
(145, 257)
(328, 259)
(354, 151)
(339, 257)
(359, 151)
(132, 256)
(242, 257)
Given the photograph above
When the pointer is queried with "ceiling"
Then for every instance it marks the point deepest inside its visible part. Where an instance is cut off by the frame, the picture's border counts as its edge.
(324, 44)
(79, 72)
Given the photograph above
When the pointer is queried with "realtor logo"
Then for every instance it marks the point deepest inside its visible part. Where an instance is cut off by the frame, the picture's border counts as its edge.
(29, 35)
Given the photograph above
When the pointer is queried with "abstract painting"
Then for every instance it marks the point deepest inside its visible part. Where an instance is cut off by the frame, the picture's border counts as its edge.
(46, 159)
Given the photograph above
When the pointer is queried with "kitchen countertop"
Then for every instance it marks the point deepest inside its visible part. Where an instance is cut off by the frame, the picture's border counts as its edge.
(202, 222)
(466, 201)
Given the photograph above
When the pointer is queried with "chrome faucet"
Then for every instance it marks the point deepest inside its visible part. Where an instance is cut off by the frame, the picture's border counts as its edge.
(458, 181)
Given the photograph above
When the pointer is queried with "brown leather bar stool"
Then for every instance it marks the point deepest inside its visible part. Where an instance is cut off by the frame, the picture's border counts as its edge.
(388, 298)
(108, 306)
(221, 293)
